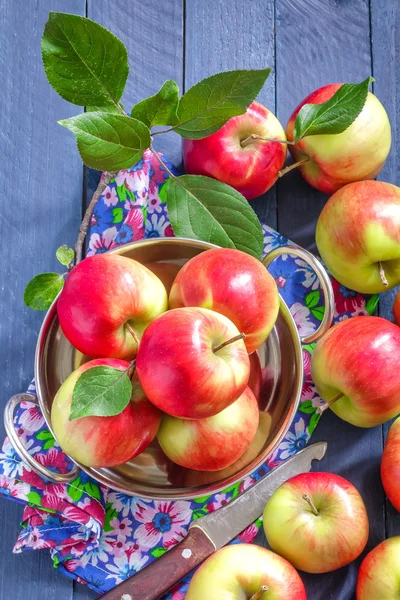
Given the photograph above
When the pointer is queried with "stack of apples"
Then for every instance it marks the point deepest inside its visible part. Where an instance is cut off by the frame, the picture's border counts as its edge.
(187, 356)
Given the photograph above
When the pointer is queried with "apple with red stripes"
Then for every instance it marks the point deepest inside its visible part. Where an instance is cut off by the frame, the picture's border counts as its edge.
(379, 573)
(390, 465)
(104, 441)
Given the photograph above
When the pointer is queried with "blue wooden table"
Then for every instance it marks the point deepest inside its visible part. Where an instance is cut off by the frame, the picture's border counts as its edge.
(44, 186)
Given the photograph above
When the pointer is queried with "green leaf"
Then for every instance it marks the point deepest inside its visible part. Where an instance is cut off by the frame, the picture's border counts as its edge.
(201, 500)
(307, 407)
(212, 102)
(42, 289)
(335, 115)
(111, 513)
(114, 109)
(118, 215)
(101, 392)
(49, 444)
(157, 552)
(45, 434)
(65, 255)
(209, 210)
(313, 422)
(121, 192)
(92, 490)
(108, 142)
(318, 312)
(33, 498)
(75, 489)
(84, 62)
(198, 513)
(310, 347)
(159, 109)
(371, 304)
(312, 299)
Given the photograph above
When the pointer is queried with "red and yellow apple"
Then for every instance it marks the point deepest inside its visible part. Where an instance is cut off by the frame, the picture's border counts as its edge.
(104, 441)
(358, 153)
(379, 573)
(396, 309)
(234, 284)
(317, 521)
(390, 465)
(104, 298)
(358, 236)
(356, 364)
(214, 443)
(245, 571)
(185, 368)
(231, 155)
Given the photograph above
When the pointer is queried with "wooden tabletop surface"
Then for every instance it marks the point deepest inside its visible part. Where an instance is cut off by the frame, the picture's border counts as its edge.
(308, 43)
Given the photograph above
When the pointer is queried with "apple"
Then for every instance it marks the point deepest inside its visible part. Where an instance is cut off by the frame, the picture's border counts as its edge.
(192, 363)
(379, 574)
(104, 441)
(358, 236)
(234, 284)
(233, 156)
(390, 465)
(213, 443)
(107, 302)
(356, 154)
(355, 369)
(396, 309)
(246, 571)
(317, 521)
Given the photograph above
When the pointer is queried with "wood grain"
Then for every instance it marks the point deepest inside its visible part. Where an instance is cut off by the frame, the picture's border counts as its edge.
(41, 190)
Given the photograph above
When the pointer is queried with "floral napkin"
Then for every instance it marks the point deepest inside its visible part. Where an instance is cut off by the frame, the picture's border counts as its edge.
(99, 536)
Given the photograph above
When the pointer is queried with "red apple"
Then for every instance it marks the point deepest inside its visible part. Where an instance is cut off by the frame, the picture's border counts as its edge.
(379, 574)
(234, 284)
(249, 165)
(104, 297)
(356, 363)
(181, 369)
(358, 236)
(214, 443)
(317, 521)
(396, 309)
(104, 441)
(241, 571)
(390, 465)
(357, 153)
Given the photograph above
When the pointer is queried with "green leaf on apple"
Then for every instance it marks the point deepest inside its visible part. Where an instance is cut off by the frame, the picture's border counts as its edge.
(335, 115)
(209, 210)
(65, 255)
(209, 104)
(84, 62)
(102, 392)
(42, 290)
(108, 142)
(159, 109)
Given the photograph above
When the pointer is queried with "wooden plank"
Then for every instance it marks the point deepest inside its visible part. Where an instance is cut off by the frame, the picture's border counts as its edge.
(385, 27)
(41, 187)
(232, 34)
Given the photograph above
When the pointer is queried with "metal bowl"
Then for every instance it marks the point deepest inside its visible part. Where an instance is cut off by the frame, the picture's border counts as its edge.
(276, 378)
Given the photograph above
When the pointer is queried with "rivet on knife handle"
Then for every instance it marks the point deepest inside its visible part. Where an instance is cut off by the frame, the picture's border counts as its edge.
(153, 581)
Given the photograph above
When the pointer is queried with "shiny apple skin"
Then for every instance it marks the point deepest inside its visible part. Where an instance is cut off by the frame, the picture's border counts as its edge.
(356, 154)
(379, 573)
(214, 443)
(251, 169)
(238, 571)
(359, 358)
(358, 228)
(234, 284)
(317, 543)
(396, 309)
(104, 441)
(178, 369)
(101, 296)
(390, 465)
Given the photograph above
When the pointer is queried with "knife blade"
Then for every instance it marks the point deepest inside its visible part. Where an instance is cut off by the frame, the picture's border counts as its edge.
(211, 532)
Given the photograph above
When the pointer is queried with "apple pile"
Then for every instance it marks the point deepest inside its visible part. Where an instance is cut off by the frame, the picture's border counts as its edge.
(184, 357)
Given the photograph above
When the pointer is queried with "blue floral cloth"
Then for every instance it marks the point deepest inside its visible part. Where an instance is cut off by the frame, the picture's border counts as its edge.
(99, 536)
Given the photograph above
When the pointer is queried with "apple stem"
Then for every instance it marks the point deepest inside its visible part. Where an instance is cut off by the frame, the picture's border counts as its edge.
(311, 504)
(257, 595)
(293, 166)
(326, 405)
(240, 336)
(253, 137)
(131, 369)
(133, 334)
(382, 275)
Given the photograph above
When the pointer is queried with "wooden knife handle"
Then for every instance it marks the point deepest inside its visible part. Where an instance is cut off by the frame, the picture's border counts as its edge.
(156, 579)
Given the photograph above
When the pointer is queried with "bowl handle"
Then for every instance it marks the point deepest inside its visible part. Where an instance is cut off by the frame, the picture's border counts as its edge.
(29, 460)
(324, 280)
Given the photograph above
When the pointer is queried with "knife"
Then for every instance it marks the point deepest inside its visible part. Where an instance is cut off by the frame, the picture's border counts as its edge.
(211, 532)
